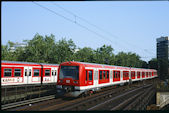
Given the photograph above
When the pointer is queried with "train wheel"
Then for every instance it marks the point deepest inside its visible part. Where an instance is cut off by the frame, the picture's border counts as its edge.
(83, 95)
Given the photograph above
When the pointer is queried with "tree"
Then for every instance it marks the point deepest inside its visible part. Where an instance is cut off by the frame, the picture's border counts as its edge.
(127, 59)
(153, 64)
(4, 52)
(104, 55)
(65, 50)
(85, 54)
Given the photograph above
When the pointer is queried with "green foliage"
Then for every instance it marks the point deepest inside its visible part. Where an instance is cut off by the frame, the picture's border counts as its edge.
(65, 50)
(104, 55)
(153, 64)
(44, 49)
(128, 59)
(85, 54)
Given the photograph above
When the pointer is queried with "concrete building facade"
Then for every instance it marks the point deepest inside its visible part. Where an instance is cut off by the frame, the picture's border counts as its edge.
(163, 57)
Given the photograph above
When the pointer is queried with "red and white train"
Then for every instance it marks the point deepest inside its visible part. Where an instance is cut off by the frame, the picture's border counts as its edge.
(76, 78)
(24, 73)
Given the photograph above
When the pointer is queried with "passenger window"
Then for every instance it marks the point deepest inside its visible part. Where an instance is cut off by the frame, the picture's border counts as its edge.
(100, 75)
(107, 74)
(29, 72)
(55, 72)
(104, 75)
(17, 72)
(114, 74)
(36, 72)
(118, 74)
(132, 74)
(86, 75)
(90, 75)
(52, 72)
(7, 72)
(25, 72)
(47, 72)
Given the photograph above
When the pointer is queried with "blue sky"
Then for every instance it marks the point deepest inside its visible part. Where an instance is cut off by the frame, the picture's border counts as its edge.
(134, 26)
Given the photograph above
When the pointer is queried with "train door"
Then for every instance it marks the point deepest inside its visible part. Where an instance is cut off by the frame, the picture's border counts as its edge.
(53, 72)
(96, 77)
(28, 75)
(89, 77)
(54, 75)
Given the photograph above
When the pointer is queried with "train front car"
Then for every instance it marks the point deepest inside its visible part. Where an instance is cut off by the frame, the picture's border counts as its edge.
(69, 79)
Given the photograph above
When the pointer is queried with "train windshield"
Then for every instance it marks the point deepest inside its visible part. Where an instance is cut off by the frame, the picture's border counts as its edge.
(69, 72)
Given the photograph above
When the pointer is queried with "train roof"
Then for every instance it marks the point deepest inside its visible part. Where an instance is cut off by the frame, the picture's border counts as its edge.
(19, 62)
(105, 65)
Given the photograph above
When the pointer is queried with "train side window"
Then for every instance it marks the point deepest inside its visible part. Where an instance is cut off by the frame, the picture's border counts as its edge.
(132, 74)
(138, 74)
(55, 72)
(36, 72)
(86, 75)
(124, 74)
(47, 72)
(104, 75)
(118, 74)
(25, 72)
(100, 75)
(29, 72)
(107, 74)
(7, 72)
(90, 75)
(114, 74)
(52, 72)
(17, 72)
(143, 74)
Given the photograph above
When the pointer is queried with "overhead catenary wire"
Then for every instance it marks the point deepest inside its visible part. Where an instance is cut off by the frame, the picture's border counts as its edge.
(114, 36)
(75, 22)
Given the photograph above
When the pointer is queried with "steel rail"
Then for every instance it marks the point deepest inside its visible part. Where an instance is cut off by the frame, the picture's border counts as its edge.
(126, 101)
(146, 93)
(21, 103)
(114, 98)
(89, 100)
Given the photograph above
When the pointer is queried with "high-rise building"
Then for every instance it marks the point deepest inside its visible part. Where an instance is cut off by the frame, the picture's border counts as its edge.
(163, 57)
(16, 45)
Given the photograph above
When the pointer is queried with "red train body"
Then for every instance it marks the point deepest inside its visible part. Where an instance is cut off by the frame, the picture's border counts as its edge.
(76, 78)
(23, 73)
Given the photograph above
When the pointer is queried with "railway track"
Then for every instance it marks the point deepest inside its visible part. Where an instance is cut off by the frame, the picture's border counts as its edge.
(26, 102)
(59, 102)
(99, 102)
(71, 104)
